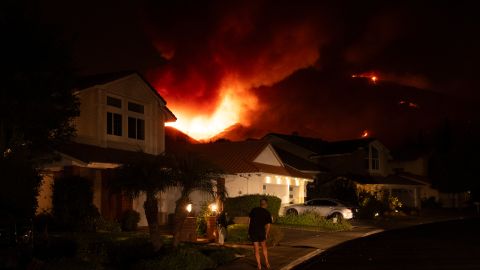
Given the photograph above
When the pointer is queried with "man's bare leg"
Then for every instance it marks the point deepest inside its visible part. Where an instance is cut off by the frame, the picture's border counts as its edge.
(256, 247)
(265, 253)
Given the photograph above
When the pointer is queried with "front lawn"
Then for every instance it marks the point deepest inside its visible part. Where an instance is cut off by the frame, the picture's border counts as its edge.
(125, 251)
(313, 221)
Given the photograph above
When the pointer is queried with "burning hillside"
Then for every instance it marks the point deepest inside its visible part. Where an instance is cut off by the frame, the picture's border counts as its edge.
(241, 70)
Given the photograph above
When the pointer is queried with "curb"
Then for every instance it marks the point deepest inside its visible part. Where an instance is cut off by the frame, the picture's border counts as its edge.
(302, 259)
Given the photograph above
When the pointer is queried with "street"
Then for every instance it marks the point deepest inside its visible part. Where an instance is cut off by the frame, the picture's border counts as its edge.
(443, 245)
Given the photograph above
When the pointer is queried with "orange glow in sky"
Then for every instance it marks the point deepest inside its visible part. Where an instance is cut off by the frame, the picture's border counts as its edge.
(234, 102)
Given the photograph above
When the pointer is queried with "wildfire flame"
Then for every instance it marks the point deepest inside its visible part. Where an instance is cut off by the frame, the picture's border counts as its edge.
(235, 100)
(372, 76)
(409, 104)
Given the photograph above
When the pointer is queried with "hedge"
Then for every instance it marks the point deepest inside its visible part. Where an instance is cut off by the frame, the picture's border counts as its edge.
(242, 205)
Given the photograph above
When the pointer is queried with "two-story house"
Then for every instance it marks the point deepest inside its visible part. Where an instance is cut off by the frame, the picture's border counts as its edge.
(365, 161)
(122, 117)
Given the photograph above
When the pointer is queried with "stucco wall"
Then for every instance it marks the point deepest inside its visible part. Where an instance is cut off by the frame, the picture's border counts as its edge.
(91, 124)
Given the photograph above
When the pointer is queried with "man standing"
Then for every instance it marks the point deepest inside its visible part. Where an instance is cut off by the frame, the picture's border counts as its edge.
(258, 230)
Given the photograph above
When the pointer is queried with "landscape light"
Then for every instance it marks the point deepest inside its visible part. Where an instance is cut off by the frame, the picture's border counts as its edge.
(213, 207)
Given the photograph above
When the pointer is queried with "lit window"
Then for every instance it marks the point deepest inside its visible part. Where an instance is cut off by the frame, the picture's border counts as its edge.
(136, 128)
(372, 161)
(134, 107)
(114, 124)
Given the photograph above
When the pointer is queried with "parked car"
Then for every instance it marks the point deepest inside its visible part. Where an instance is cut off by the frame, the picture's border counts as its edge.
(329, 208)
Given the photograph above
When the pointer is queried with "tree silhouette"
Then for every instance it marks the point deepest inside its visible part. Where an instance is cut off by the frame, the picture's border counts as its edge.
(148, 176)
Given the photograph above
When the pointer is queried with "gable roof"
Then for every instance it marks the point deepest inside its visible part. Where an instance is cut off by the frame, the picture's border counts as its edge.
(322, 147)
(295, 161)
(309, 143)
(238, 157)
(345, 147)
(393, 179)
(99, 79)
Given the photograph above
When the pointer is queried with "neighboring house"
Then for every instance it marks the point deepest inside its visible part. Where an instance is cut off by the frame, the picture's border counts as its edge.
(121, 118)
(365, 161)
(253, 167)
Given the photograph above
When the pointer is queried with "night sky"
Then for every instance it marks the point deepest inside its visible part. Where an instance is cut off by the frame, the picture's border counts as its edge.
(294, 58)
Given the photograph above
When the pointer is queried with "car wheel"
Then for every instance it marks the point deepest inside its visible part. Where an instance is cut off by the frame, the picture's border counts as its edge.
(292, 211)
(336, 217)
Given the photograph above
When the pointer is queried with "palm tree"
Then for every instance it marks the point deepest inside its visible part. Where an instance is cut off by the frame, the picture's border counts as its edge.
(192, 174)
(149, 176)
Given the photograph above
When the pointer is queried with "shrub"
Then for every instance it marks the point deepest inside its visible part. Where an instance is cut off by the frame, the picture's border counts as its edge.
(105, 225)
(431, 203)
(220, 256)
(238, 233)
(127, 252)
(202, 219)
(371, 205)
(20, 183)
(71, 264)
(183, 258)
(129, 220)
(242, 205)
(314, 220)
(72, 201)
(43, 222)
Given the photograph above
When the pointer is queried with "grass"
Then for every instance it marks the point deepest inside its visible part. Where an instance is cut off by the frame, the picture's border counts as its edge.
(238, 233)
(127, 250)
(313, 221)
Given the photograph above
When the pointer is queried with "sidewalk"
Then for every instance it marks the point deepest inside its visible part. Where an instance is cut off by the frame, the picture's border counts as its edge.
(300, 244)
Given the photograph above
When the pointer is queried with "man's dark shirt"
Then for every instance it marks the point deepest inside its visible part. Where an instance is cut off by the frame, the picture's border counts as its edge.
(259, 217)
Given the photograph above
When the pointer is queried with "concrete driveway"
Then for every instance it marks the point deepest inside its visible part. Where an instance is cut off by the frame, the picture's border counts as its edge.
(299, 245)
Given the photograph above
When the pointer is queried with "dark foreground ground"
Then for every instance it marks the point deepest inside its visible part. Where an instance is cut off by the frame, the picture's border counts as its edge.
(444, 245)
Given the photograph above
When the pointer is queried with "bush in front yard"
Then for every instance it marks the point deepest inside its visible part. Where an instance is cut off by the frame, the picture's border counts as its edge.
(242, 205)
(183, 258)
(72, 204)
(313, 219)
(238, 233)
(129, 220)
(371, 205)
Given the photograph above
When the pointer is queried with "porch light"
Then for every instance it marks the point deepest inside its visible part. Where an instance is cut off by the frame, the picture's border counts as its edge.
(189, 207)
(213, 207)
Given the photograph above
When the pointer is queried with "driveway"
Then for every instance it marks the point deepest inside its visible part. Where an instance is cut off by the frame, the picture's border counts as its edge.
(299, 245)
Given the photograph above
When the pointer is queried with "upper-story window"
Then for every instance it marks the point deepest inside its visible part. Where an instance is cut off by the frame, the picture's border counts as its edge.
(375, 159)
(372, 161)
(114, 124)
(114, 102)
(136, 123)
(114, 116)
(136, 128)
(134, 107)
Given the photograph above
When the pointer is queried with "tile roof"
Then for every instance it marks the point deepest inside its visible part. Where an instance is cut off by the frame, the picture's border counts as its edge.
(393, 179)
(345, 147)
(295, 161)
(322, 147)
(238, 157)
(90, 153)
